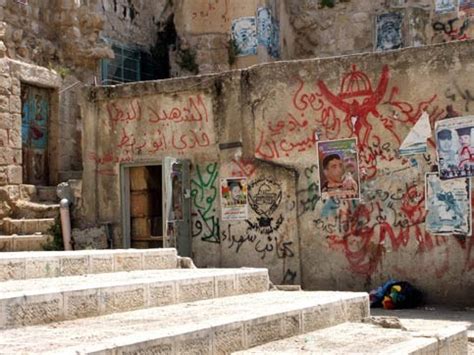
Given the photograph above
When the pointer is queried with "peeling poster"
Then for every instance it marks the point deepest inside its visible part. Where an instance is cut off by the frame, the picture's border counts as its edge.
(448, 205)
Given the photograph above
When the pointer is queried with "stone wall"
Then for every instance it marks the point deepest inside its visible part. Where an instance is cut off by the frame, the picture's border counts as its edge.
(260, 124)
(351, 26)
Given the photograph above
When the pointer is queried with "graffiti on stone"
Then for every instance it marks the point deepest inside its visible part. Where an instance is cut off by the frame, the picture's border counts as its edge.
(444, 6)
(204, 191)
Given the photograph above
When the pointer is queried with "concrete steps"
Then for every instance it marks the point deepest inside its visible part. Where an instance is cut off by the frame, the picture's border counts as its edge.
(21, 243)
(356, 338)
(31, 265)
(26, 226)
(40, 301)
(142, 302)
(215, 326)
(30, 209)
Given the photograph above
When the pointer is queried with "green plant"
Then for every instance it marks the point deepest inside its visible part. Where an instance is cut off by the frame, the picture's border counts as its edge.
(234, 50)
(61, 70)
(56, 243)
(187, 60)
(327, 3)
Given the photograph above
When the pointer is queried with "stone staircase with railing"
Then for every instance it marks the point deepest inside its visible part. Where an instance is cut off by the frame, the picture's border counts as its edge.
(32, 216)
(143, 302)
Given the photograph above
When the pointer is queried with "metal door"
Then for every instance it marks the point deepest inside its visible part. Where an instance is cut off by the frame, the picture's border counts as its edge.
(177, 205)
(35, 113)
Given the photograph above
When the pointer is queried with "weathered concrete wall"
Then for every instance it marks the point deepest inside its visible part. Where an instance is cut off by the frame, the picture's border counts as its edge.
(209, 25)
(270, 114)
(309, 30)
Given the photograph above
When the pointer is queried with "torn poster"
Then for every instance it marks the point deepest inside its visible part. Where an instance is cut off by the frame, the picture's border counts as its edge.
(444, 6)
(448, 205)
(455, 147)
(466, 8)
(415, 142)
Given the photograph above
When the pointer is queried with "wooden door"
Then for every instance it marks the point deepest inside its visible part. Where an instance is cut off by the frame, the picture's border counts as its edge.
(35, 113)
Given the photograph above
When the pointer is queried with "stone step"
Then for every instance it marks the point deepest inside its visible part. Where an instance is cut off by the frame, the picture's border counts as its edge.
(29, 209)
(41, 301)
(31, 265)
(47, 193)
(356, 338)
(27, 226)
(214, 326)
(22, 243)
(70, 175)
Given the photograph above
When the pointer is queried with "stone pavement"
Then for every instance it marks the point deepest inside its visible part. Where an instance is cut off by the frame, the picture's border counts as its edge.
(435, 313)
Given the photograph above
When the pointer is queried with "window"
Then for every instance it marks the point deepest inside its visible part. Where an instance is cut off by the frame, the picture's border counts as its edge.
(130, 64)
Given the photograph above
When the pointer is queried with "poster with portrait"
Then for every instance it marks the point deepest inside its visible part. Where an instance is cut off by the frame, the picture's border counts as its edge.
(455, 147)
(244, 34)
(338, 169)
(234, 198)
(466, 8)
(388, 31)
(448, 205)
(445, 6)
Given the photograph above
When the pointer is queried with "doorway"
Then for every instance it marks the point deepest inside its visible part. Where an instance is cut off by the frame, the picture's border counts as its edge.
(146, 208)
(35, 116)
(156, 205)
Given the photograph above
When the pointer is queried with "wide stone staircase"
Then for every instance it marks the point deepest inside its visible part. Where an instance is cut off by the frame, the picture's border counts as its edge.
(143, 302)
(33, 214)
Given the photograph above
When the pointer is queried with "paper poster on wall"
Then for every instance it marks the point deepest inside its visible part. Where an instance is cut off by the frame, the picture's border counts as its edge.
(234, 198)
(466, 8)
(448, 205)
(455, 147)
(244, 33)
(415, 142)
(389, 31)
(339, 169)
(444, 6)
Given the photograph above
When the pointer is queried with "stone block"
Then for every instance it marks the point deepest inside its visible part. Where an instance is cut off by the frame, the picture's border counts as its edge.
(74, 265)
(3, 176)
(161, 295)
(81, 304)
(3, 138)
(5, 120)
(27, 192)
(15, 174)
(195, 290)
(100, 264)
(22, 311)
(90, 238)
(4, 101)
(122, 299)
(6, 242)
(128, 261)
(228, 340)
(226, 286)
(154, 347)
(291, 325)
(155, 259)
(42, 267)
(15, 104)
(30, 242)
(192, 344)
(251, 283)
(10, 156)
(12, 269)
(14, 138)
(261, 332)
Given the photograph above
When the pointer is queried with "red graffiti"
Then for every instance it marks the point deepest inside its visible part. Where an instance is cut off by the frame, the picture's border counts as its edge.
(357, 99)
(117, 114)
(194, 111)
(243, 167)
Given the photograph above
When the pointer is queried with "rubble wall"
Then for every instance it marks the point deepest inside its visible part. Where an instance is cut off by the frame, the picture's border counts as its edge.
(260, 124)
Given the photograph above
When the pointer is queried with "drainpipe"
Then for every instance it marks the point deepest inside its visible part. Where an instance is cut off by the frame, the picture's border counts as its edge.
(65, 223)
